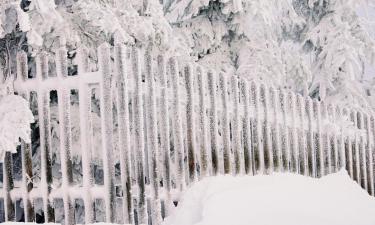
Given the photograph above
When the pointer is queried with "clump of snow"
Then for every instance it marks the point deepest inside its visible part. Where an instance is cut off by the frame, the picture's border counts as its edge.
(275, 200)
(15, 119)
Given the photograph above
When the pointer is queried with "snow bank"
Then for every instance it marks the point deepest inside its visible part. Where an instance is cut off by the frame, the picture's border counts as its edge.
(280, 199)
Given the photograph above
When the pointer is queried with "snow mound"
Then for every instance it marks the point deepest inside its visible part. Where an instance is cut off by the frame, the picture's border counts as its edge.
(278, 199)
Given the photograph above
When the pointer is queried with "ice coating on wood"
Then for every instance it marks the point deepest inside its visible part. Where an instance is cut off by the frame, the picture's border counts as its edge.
(217, 154)
(153, 151)
(177, 124)
(8, 186)
(204, 143)
(124, 132)
(333, 138)
(348, 143)
(61, 62)
(355, 149)
(236, 129)
(341, 146)
(247, 145)
(107, 129)
(45, 137)
(371, 152)
(191, 126)
(228, 154)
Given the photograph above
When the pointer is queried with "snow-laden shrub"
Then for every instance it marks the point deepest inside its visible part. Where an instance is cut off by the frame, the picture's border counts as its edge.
(15, 119)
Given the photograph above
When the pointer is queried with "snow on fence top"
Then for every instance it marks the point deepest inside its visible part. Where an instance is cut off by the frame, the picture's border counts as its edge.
(161, 127)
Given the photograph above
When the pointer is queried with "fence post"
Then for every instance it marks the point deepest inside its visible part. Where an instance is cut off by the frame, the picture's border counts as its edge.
(362, 153)
(206, 155)
(65, 135)
(191, 130)
(249, 156)
(303, 154)
(327, 161)
(177, 124)
(228, 154)
(257, 130)
(356, 165)
(8, 186)
(310, 138)
(124, 132)
(341, 148)
(153, 151)
(22, 76)
(277, 146)
(107, 129)
(266, 130)
(286, 156)
(371, 153)
(238, 150)
(333, 138)
(294, 136)
(86, 134)
(217, 155)
(348, 147)
(45, 136)
(319, 141)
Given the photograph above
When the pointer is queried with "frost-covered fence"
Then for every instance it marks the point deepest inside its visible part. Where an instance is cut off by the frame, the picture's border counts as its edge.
(163, 125)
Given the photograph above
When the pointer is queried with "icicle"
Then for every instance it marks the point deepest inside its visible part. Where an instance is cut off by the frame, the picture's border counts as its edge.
(139, 136)
(107, 129)
(249, 157)
(191, 130)
(237, 148)
(124, 132)
(152, 139)
(217, 155)
(204, 149)
(228, 154)
(277, 147)
(259, 151)
(177, 124)
(164, 133)
(293, 131)
(310, 138)
(45, 137)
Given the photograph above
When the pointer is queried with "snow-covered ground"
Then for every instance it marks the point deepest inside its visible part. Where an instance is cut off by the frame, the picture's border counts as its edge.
(280, 199)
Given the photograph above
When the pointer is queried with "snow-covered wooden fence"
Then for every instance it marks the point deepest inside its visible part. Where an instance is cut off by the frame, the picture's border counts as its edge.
(168, 125)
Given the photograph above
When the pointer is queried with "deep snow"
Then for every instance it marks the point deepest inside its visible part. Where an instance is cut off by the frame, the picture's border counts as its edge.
(280, 199)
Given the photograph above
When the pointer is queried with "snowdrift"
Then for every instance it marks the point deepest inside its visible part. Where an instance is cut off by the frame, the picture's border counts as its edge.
(279, 199)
